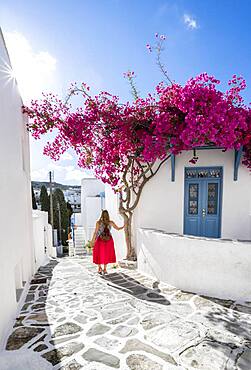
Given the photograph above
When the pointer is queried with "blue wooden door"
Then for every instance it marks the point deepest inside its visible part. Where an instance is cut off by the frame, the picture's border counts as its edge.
(202, 210)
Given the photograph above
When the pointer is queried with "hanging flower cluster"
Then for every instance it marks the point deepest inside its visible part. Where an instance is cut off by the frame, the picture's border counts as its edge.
(106, 133)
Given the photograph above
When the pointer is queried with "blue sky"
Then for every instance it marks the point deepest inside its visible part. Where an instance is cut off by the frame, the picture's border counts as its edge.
(97, 40)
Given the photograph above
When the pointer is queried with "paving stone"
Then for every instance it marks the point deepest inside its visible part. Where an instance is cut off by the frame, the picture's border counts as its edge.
(182, 309)
(33, 287)
(94, 355)
(141, 362)
(82, 319)
(38, 306)
(152, 320)
(40, 317)
(244, 361)
(107, 343)
(153, 295)
(25, 306)
(39, 280)
(225, 320)
(124, 331)
(243, 308)
(40, 347)
(207, 356)
(21, 336)
(41, 299)
(19, 321)
(56, 355)
(29, 298)
(203, 303)
(114, 313)
(119, 320)
(97, 329)
(168, 291)
(175, 335)
(40, 339)
(182, 296)
(133, 345)
(66, 329)
(43, 287)
(224, 337)
(73, 365)
(42, 293)
(133, 321)
(62, 340)
(222, 302)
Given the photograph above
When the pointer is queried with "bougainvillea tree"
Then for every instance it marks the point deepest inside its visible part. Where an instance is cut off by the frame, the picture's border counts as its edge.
(126, 144)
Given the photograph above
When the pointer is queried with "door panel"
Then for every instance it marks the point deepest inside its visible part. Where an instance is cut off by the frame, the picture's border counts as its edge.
(192, 208)
(211, 220)
(203, 202)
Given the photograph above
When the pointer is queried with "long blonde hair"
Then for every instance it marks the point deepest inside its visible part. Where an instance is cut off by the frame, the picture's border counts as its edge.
(104, 218)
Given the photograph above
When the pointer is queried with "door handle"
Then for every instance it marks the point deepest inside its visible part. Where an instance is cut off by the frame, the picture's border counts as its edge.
(203, 212)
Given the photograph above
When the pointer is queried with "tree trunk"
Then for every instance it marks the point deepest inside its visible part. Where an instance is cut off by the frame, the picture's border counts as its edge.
(132, 192)
(127, 216)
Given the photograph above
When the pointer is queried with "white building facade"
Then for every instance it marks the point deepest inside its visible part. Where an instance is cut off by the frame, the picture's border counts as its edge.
(17, 252)
(92, 203)
(192, 227)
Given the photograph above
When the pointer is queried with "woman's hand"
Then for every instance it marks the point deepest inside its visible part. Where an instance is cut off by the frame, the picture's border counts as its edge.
(115, 226)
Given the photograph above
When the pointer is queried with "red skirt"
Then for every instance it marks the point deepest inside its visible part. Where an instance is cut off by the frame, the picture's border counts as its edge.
(103, 252)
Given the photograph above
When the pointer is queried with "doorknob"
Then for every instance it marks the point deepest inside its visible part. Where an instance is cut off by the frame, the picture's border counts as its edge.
(203, 212)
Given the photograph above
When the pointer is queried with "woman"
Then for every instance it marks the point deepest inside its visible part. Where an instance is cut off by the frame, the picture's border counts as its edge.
(103, 251)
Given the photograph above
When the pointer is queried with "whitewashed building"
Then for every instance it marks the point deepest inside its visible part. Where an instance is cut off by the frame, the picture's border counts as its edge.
(192, 227)
(18, 257)
(92, 202)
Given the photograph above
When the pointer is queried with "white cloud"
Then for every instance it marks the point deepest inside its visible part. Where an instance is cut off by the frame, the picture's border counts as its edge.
(33, 70)
(66, 157)
(40, 175)
(62, 174)
(76, 175)
(190, 22)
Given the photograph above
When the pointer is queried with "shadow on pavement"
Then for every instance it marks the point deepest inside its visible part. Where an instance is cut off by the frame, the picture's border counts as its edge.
(133, 287)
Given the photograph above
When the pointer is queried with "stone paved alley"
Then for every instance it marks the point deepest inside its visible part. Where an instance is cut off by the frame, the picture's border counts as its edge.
(74, 319)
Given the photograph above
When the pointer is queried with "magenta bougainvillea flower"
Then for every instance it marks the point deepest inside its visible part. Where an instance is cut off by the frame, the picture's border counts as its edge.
(105, 133)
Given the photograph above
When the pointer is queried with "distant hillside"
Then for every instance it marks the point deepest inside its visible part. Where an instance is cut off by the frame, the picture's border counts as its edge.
(39, 184)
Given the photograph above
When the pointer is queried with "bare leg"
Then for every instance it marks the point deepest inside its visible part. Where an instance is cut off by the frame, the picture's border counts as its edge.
(105, 271)
(99, 268)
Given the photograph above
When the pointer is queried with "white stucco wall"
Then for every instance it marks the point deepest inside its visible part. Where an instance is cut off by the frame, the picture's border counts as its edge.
(162, 202)
(205, 266)
(93, 210)
(16, 251)
(42, 236)
(91, 204)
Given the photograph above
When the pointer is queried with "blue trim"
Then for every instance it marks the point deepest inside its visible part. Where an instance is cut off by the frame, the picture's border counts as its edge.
(172, 167)
(195, 180)
(237, 160)
(207, 147)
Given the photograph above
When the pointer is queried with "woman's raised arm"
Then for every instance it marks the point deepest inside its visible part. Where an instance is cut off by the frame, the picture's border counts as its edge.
(115, 226)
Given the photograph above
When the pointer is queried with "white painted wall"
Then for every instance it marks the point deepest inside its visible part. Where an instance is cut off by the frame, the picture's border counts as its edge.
(93, 210)
(16, 250)
(205, 266)
(23, 237)
(42, 234)
(77, 219)
(162, 202)
(91, 204)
